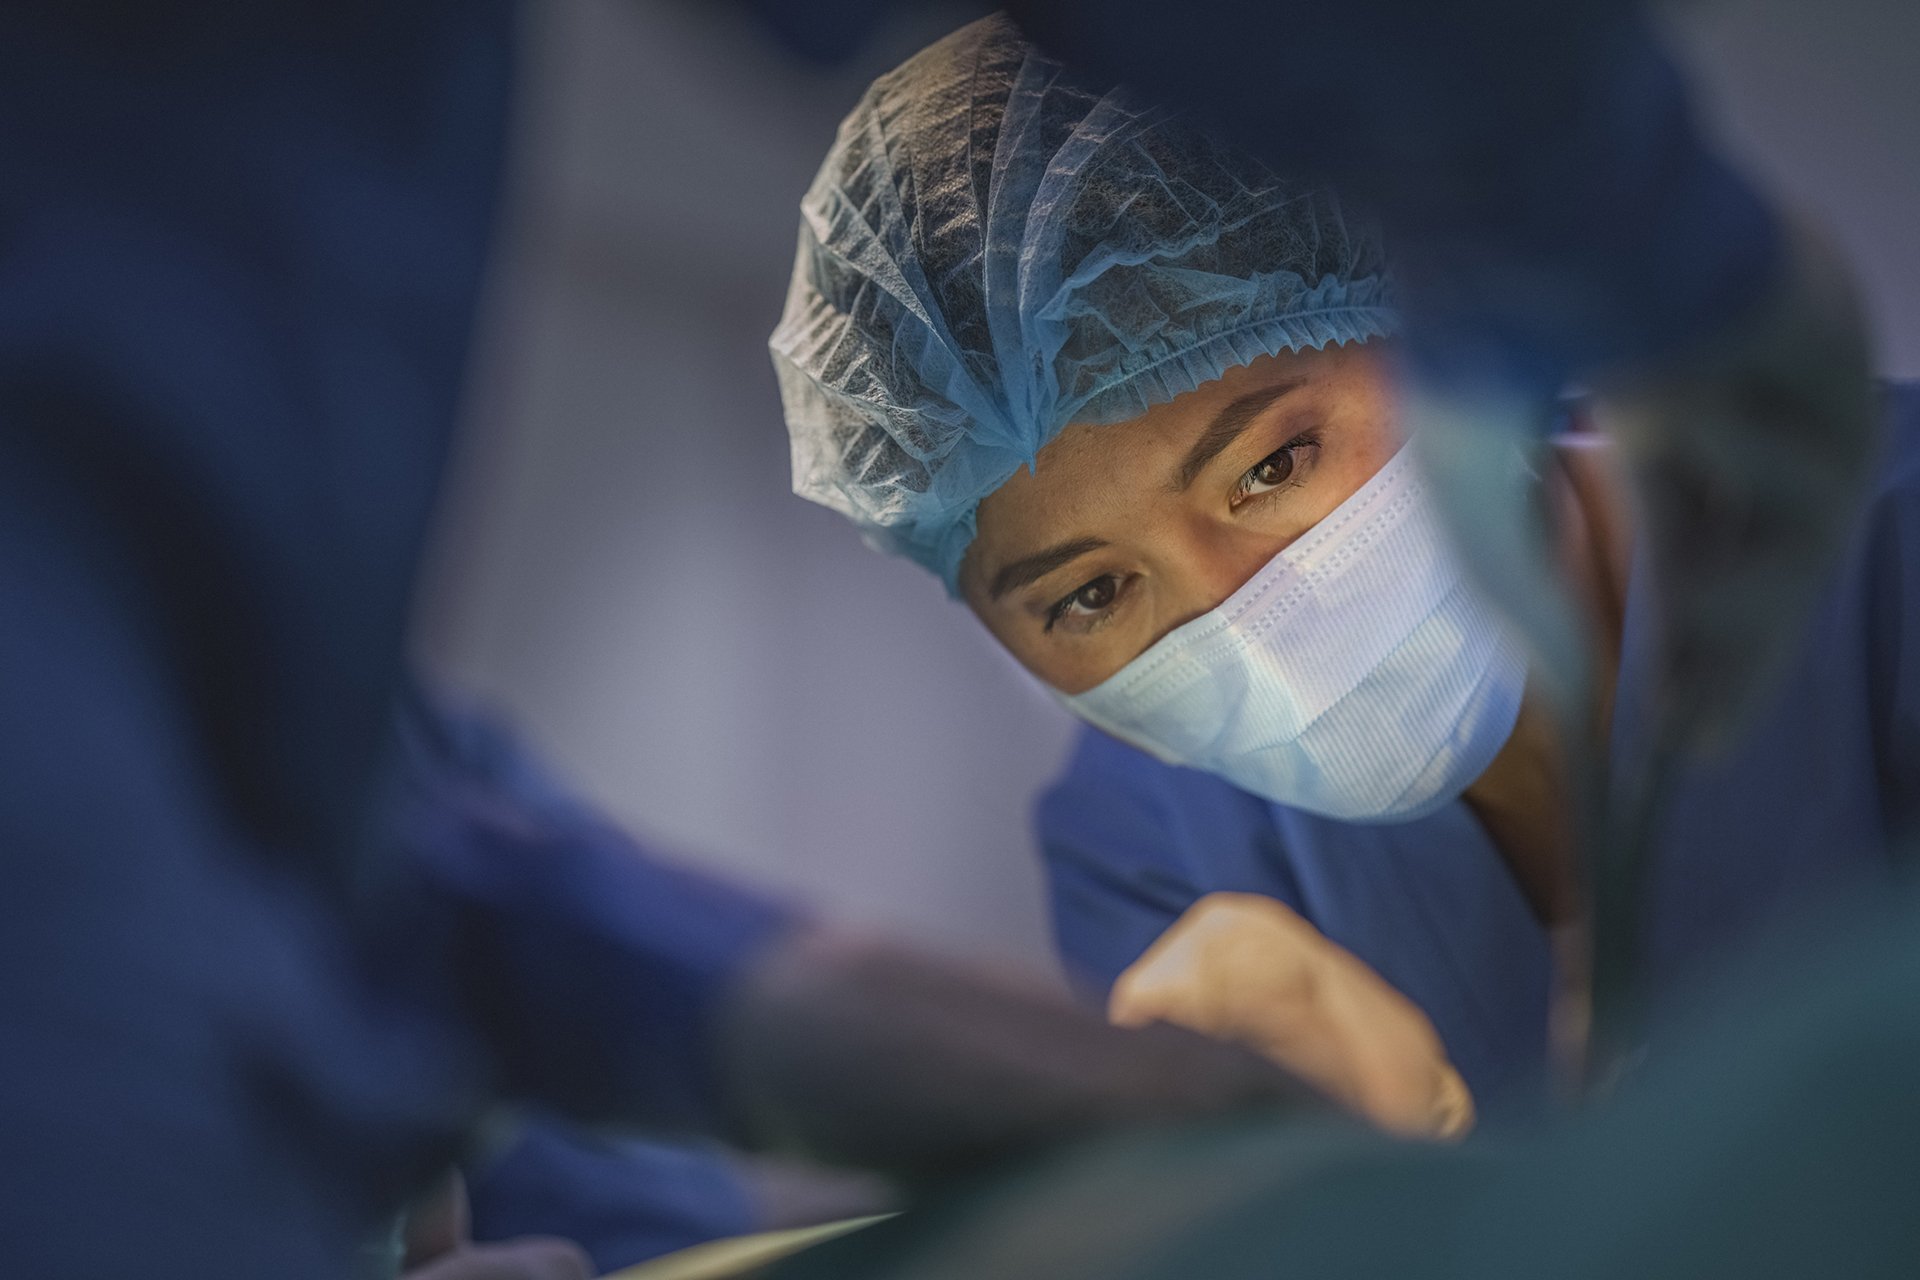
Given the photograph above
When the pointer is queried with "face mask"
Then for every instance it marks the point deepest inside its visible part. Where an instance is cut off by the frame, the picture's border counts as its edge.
(1356, 676)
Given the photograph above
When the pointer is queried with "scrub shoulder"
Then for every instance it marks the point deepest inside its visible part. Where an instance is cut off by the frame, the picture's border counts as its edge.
(1130, 843)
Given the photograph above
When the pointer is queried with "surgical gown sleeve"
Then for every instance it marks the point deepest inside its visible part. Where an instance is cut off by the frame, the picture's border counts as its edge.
(240, 250)
(592, 971)
(1124, 839)
(622, 1200)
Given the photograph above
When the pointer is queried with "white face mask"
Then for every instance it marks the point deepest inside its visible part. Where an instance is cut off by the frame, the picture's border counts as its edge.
(1357, 675)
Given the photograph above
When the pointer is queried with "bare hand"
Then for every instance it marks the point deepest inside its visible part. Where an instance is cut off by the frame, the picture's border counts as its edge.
(1249, 969)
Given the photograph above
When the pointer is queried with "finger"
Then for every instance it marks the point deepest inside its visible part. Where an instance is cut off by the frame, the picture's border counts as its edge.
(1453, 1110)
(1144, 996)
(1414, 1095)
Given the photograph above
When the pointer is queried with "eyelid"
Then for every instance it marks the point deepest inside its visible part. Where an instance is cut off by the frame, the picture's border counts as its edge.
(1058, 610)
(1307, 439)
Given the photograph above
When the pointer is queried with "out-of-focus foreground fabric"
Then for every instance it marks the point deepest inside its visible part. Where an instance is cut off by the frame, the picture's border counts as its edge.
(239, 251)
(1777, 1141)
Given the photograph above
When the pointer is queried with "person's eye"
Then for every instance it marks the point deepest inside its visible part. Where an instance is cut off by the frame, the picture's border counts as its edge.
(1088, 604)
(1280, 469)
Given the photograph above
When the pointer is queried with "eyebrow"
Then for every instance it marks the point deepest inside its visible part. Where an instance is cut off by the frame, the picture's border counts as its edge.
(1221, 432)
(1032, 568)
(1224, 430)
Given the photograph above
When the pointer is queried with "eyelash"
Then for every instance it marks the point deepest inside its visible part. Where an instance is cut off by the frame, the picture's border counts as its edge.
(1058, 611)
(1292, 448)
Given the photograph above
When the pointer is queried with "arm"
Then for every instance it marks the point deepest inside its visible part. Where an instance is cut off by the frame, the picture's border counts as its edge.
(1773, 1139)
(1127, 842)
(619, 990)
(591, 970)
(623, 1201)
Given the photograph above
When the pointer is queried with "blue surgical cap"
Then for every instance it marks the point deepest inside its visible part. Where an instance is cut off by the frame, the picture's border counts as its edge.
(993, 249)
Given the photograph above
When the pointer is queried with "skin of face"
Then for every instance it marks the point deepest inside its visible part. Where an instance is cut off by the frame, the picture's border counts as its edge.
(1122, 532)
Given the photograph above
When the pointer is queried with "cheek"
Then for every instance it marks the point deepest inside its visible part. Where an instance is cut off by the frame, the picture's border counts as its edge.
(1031, 648)
(1067, 668)
(1021, 641)
(1078, 668)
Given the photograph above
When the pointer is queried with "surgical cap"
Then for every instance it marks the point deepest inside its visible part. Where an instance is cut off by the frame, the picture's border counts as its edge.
(993, 249)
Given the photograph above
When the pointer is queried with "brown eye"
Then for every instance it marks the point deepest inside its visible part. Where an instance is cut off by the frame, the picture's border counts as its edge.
(1273, 470)
(1095, 596)
(1278, 470)
(1086, 603)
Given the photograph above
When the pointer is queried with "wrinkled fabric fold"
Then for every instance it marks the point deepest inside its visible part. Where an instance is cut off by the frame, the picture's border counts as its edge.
(996, 247)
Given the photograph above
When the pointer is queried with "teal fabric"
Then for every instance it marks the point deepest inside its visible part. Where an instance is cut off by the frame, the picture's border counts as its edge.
(1777, 1141)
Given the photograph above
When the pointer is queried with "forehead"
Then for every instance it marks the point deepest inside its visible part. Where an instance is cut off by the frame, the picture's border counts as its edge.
(1089, 469)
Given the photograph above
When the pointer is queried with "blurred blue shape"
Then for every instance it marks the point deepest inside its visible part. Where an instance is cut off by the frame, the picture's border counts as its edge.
(623, 1201)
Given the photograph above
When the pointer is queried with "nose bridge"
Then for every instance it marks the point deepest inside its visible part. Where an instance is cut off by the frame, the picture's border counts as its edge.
(1207, 561)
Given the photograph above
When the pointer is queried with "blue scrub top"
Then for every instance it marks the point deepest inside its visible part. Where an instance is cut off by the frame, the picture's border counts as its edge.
(1810, 800)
